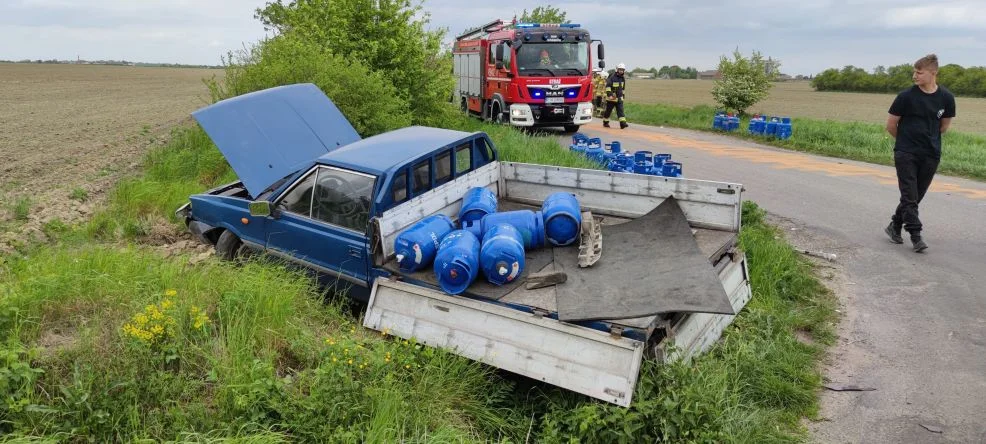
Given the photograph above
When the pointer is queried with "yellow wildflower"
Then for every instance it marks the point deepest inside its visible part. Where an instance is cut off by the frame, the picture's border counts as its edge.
(170, 292)
(350, 362)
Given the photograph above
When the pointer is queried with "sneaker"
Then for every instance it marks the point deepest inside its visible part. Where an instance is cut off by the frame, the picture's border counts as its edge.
(894, 233)
(606, 124)
(919, 244)
(623, 125)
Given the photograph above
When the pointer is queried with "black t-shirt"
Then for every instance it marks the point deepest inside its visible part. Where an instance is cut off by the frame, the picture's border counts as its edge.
(919, 130)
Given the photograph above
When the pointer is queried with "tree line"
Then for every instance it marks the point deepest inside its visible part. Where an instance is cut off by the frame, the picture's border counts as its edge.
(961, 81)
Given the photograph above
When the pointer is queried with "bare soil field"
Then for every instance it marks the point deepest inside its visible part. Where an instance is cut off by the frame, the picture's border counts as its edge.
(75, 129)
(798, 99)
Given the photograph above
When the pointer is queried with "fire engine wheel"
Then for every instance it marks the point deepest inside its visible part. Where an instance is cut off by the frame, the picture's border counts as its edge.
(496, 114)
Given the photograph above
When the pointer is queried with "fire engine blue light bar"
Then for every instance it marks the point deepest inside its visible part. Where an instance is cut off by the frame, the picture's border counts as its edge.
(547, 25)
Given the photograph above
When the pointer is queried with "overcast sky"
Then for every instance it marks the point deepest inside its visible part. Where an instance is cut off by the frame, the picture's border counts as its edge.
(806, 36)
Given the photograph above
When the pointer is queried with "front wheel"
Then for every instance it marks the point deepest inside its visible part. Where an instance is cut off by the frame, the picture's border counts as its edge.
(496, 114)
(571, 128)
(229, 247)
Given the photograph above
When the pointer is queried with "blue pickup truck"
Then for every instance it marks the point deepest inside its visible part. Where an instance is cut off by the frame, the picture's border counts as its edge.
(312, 192)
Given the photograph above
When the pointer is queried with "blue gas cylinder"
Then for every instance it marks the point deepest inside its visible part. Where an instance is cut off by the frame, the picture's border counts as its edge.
(501, 256)
(659, 159)
(751, 127)
(562, 218)
(457, 261)
(671, 169)
(595, 142)
(529, 223)
(580, 139)
(784, 128)
(595, 153)
(415, 247)
(476, 203)
(771, 127)
(732, 123)
(717, 121)
(615, 147)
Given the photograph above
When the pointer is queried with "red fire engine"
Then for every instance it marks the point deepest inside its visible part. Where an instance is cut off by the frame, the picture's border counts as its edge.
(526, 74)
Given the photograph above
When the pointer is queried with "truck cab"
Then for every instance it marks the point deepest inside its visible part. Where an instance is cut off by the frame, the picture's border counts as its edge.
(316, 212)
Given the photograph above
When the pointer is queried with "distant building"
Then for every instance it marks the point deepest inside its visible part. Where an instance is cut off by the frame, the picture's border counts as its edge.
(643, 75)
(712, 74)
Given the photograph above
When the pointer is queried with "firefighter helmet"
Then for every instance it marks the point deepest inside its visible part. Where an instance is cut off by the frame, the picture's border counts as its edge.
(621, 66)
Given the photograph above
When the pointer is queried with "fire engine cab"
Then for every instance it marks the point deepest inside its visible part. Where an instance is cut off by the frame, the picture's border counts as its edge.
(526, 74)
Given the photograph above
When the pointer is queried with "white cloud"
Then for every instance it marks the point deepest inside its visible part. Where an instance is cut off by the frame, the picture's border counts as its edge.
(806, 36)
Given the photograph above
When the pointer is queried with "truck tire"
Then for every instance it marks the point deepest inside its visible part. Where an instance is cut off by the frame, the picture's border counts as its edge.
(571, 128)
(229, 246)
(496, 113)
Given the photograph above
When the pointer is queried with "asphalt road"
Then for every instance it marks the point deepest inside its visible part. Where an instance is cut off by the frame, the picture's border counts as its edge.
(914, 325)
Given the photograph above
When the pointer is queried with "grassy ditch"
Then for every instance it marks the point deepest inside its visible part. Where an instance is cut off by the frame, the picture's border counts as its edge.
(964, 153)
(105, 341)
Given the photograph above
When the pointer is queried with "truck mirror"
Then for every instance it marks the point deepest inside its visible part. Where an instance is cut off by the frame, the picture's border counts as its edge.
(600, 54)
(499, 55)
(260, 208)
(602, 64)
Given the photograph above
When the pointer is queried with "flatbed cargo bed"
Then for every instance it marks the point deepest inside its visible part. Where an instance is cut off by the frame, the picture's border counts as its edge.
(714, 244)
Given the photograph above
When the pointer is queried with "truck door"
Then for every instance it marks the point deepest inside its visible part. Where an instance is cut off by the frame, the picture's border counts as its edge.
(322, 223)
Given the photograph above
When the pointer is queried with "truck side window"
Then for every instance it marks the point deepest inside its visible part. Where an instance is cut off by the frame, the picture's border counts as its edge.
(422, 176)
(398, 188)
(463, 158)
(443, 167)
(343, 198)
(299, 199)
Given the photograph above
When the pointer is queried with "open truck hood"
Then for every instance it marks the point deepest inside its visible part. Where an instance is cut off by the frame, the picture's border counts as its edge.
(267, 135)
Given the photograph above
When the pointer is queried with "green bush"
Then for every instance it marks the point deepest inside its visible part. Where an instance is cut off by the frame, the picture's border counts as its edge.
(367, 98)
(387, 37)
(744, 82)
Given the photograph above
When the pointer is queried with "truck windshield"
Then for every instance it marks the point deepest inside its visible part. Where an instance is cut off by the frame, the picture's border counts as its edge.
(553, 59)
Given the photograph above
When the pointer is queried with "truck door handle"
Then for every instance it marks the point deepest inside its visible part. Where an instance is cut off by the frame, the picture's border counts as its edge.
(355, 252)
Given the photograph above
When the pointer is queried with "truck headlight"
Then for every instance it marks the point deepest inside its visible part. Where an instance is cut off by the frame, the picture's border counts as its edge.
(587, 111)
(518, 112)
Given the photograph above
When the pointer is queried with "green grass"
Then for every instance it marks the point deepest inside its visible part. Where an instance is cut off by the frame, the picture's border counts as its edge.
(80, 194)
(272, 362)
(963, 154)
(21, 208)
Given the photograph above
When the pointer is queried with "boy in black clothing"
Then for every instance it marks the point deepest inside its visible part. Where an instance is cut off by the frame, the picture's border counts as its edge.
(918, 118)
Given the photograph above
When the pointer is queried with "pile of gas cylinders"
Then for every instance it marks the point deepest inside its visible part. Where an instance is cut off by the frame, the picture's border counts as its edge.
(725, 121)
(779, 127)
(614, 158)
(488, 242)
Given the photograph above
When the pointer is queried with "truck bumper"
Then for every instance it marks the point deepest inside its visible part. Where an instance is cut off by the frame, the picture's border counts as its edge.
(523, 114)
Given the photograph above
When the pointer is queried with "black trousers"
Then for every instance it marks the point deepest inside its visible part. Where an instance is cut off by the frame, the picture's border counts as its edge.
(598, 105)
(619, 111)
(914, 174)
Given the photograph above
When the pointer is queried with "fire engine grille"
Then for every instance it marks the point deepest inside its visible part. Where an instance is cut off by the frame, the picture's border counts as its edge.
(554, 113)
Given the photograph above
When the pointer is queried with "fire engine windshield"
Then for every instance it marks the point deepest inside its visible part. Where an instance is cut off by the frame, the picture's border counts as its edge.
(553, 59)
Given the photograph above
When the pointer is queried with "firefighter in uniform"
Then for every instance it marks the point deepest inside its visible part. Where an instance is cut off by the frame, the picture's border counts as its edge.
(599, 91)
(615, 93)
